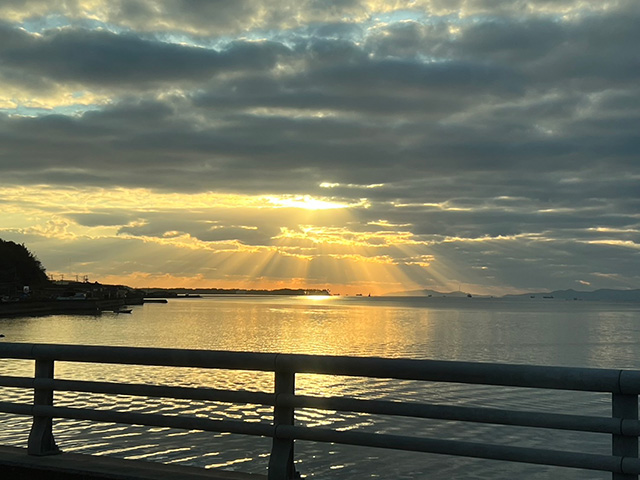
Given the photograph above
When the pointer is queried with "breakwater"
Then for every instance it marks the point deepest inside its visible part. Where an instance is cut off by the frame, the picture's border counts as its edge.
(61, 307)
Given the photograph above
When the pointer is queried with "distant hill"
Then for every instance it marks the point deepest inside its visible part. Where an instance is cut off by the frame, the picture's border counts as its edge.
(426, 293)
(602, 295)
(18, 268)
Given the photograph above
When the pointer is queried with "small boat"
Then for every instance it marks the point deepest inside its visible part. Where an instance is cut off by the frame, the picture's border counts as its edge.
(75, 296)
(123, 310)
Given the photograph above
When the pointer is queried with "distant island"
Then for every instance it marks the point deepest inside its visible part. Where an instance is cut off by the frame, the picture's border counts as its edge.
(601, 295)
(428, 293)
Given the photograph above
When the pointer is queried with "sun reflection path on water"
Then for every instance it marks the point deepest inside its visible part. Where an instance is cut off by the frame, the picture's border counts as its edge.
(318, 298)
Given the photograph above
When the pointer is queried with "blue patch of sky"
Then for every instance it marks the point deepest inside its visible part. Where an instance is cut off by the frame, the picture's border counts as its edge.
(346, 31)
(177, 38)
(289, 38)
(52, 22)
(401, 16)
(67, 110)
(41, 24)
(418, 16)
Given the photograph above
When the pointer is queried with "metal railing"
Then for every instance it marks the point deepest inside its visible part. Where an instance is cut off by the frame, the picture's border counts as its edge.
(623, 425)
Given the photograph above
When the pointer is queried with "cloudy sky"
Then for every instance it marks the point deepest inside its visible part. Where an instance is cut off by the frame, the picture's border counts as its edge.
(363, 146)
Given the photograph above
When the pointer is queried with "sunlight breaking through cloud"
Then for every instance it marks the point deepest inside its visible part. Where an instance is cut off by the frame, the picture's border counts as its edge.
(373, 145)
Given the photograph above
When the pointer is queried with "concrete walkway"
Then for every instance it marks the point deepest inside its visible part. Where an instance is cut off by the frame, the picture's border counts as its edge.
(15, 464)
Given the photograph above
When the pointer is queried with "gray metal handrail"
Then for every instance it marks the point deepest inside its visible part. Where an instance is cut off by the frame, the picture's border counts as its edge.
(623, 425)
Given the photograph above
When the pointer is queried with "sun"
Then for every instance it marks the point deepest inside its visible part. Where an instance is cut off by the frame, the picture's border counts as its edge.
(306, 202)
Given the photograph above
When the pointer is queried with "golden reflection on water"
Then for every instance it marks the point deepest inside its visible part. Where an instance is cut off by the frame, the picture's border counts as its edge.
(316, 325)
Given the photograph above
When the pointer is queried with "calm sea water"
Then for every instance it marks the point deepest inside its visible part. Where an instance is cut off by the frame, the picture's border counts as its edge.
(532, 331)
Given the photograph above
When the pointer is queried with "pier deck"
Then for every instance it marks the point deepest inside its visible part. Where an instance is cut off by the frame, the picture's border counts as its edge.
(15, 464)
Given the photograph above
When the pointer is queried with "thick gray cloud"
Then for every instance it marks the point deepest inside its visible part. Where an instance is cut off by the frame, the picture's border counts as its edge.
(103, 58)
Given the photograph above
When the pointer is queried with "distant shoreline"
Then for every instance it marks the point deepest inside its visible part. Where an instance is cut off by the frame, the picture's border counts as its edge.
(61, 307)
(191, 292)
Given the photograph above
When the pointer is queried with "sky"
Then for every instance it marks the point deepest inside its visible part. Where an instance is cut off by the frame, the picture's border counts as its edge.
(490, 146)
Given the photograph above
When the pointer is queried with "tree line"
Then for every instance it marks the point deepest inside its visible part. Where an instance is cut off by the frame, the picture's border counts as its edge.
(20, 267)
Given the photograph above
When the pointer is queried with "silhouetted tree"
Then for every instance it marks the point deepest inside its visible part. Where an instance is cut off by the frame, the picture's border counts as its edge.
(19, 266)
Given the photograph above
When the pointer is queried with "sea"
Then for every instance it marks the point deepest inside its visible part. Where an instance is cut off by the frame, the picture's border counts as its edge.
(517, 331)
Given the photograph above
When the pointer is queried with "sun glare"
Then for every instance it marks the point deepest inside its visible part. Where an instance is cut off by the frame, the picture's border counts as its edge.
(306, 202)
(318, 298)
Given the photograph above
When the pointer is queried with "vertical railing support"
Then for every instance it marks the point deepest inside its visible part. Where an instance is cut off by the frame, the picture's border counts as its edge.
(41, 441)
(625, 407)
(281, 466)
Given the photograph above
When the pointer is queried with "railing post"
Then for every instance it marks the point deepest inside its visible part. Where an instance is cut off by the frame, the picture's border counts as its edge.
(281, 466)
(626, 408)
(41, 441)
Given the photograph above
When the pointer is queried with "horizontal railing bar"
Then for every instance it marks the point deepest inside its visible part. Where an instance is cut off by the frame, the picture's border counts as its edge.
(156, 420)
(534, 376)
(169, 357)
(164, 391)
(564, 378)
(18, 382)
(186, 393)
(418, 444)
(16, 408)
(557, 421)
(437, 412)
(147, 419)
(465, 449)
